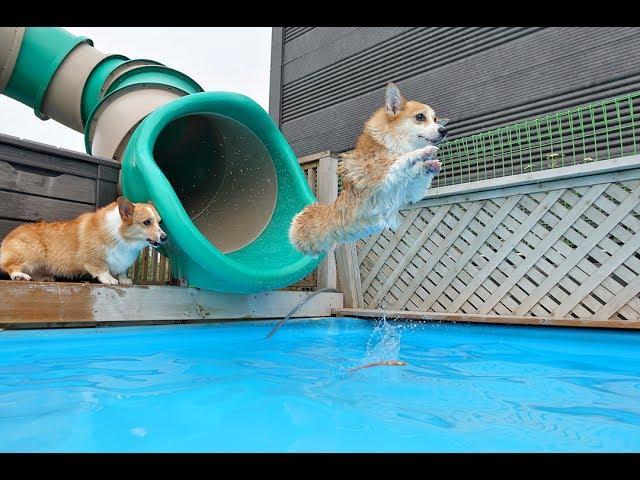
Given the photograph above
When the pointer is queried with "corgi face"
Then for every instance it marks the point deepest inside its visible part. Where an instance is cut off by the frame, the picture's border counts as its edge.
(140, 222)
(403, 126)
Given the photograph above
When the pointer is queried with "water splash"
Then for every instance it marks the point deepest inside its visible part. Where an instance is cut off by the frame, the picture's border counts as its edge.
(384, 342)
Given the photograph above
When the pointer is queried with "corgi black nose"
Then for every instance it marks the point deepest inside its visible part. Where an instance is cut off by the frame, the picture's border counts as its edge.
(163, 238)
(442, 131)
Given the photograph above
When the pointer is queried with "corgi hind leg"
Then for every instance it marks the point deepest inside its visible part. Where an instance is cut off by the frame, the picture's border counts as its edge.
(18, 257)
(27, 273)
(13, 266)
(16, 271)
(308, 232)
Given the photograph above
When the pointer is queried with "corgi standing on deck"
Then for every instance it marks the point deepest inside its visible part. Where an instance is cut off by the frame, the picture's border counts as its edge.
(104, 243)
(392, 165)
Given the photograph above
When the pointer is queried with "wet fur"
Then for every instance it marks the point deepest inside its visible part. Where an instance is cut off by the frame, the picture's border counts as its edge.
(104, 244)
(392, 165)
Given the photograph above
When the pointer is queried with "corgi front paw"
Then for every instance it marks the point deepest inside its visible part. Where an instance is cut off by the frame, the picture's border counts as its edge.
(19, 276)
(423, 154)
(423, 158)
(427, 153)
(107, 279)
(125, 281)
(433, 166)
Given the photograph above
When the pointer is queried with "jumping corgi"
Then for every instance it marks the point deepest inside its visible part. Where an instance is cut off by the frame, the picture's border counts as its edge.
(104, 244)
(392, 165)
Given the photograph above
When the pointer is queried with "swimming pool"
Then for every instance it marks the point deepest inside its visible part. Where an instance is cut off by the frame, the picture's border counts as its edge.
(223, 388)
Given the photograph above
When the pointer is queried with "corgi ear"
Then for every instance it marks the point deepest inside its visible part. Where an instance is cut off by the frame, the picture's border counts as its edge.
(125, 207)
(150, 202)
(394, 100)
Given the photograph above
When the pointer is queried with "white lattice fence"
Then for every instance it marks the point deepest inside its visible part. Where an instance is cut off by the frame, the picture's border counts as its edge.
(561, 244)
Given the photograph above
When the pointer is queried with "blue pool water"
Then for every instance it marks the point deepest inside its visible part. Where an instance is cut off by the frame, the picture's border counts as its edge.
(223, 388)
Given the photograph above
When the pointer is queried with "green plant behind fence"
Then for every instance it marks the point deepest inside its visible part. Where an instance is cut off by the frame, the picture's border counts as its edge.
(584, 134)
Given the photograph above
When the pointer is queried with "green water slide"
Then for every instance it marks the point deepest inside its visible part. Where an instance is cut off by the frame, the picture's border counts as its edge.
(222, 176)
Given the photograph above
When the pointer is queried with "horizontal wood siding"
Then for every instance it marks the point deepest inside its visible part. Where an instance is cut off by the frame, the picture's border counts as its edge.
(479, 77)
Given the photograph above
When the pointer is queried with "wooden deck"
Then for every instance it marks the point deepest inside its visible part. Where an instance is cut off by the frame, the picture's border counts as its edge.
(61, 304)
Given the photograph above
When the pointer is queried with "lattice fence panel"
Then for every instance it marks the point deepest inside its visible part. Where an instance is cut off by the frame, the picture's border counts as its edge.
(568, 248)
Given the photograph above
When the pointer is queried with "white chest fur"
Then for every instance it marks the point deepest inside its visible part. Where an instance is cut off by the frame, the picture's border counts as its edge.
(403, 187)
(122, 255)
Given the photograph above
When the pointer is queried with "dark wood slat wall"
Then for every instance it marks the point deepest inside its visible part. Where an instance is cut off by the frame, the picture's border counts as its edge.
(42, 182)
(332, 79)
(48, 183)
(326, 55)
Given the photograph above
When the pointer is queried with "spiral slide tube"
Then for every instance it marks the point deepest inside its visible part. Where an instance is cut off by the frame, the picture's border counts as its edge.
(220, 173)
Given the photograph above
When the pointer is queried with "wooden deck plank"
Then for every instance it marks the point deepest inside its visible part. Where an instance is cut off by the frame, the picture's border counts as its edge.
(93, 303)
(492, 319)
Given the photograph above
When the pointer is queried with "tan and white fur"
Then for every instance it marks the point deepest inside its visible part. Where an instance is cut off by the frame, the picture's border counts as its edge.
(391, 166)
(104, 244)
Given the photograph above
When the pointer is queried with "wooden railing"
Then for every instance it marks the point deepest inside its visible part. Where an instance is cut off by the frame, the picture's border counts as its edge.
(321, 172)
(151, 268)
